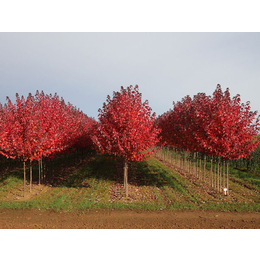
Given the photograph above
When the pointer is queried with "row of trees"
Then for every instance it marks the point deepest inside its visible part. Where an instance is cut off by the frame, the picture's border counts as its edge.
(44, 125)
(217, 126)
(41, 126)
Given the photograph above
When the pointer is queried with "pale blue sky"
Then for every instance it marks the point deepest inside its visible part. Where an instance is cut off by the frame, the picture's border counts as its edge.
(84, 68)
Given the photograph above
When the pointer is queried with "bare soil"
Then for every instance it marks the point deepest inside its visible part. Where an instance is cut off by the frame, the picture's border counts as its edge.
(127, 219)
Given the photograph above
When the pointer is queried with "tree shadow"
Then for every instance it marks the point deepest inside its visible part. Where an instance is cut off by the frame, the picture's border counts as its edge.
(9, 167)
(100, 167)
(142, 174)
(74, 170)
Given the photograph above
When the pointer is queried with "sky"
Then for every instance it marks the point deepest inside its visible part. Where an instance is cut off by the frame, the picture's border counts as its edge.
(84, 68)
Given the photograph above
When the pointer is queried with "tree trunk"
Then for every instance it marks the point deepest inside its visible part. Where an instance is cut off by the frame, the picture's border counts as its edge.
(190, 165)
(204, 169)
(39, 163)
(176, 159)
(227, 178)
(125, 178)
(184, 162)
(218, 176)
(30, 175)
(223, 174)
(24, 178)
(42, 171)
(200, 170)
(215, 173)
(197, 165)
(194, 169)
(211, 179)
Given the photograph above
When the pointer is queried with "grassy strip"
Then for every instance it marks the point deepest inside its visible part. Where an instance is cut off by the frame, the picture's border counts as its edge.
(243, 175)
(88, 187)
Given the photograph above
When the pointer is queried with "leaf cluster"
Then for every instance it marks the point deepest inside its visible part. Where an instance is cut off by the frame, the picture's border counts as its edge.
(40, 126)
(126, 126)
(216, 126)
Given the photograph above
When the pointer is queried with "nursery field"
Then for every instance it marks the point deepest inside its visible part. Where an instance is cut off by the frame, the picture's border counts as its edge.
(127, 219)
(94, 185)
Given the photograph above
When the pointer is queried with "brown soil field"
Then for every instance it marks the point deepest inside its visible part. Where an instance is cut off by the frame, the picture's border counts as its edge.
(127, 219)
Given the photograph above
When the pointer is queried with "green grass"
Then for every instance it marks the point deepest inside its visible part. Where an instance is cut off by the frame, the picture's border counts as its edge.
(97, 183)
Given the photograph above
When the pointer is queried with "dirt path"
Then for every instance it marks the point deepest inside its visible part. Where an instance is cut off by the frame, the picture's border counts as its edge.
(127, 219)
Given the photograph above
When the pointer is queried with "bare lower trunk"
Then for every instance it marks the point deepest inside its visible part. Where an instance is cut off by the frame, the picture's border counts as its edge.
(30, 176)
(125, 178)
(204, 168)
(218, 176)
(176, 158)
(211, 175)
(194, 164)
(197, 165)
(215, 173)
(227, 178)
(223, 174)
(200, 170)
(39, 163)
(24, 178)
(42, 171)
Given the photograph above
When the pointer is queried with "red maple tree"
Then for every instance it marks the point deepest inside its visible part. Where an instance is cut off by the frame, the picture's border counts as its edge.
(126, 127)
(40, 126)
(217, 125)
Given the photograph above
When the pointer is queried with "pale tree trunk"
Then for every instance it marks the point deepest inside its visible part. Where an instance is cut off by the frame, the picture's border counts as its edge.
(24, 178)
(227, 178)
(180, 160)
(215, 173)
(197, 165)
(125, 178)
(185, 161)
(176, 158)
(218, 176)
(190, 165)
(223, 174)
(200, 170)
(211, 175)
(204, 168)
(30, 176)
(194, 164)
(39, 163)
(42, 171)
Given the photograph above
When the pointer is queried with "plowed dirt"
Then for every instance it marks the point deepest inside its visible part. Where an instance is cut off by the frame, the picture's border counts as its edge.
(127, 219)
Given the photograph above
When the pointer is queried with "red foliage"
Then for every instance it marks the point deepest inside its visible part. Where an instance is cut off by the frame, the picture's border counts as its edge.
(217, 125)
(40, 126)
(126, 126)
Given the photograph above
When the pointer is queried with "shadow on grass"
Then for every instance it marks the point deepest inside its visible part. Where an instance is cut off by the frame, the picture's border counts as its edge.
(139, 173)
(95, 168)
(70, 171)
(10, 167)
(143, 174)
